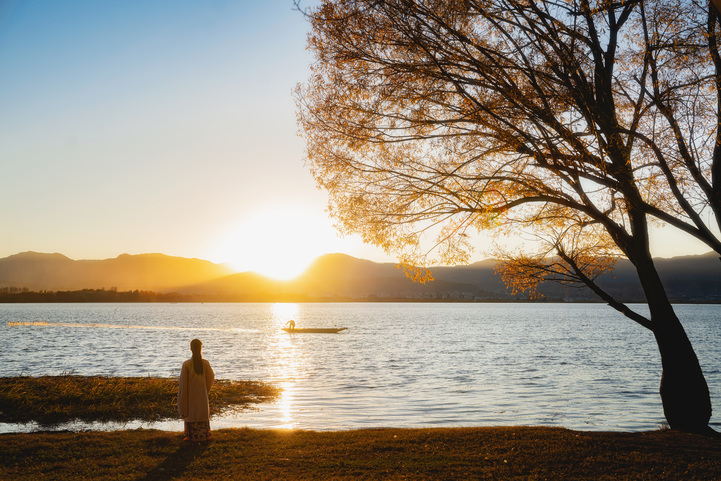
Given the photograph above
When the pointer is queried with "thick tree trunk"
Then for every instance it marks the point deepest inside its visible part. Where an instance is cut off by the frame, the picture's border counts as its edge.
(684, 392)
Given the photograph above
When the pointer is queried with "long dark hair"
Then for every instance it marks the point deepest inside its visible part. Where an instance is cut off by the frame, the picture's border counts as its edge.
(195, 346)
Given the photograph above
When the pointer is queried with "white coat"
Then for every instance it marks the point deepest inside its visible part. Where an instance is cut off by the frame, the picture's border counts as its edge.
(193, 391)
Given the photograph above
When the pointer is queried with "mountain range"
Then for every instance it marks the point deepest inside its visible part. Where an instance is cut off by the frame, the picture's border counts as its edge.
(336, 277)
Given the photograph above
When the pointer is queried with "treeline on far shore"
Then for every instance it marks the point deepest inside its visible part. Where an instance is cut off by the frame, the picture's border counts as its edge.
(10, 295)
(20, 295)
(24, 295)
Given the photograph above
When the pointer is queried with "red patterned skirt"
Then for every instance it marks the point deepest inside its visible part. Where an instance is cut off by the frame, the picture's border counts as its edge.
(197, 431)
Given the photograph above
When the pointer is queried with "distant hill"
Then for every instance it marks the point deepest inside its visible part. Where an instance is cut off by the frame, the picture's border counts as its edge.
(333, 277)
(342, 277)
(38, 271)
(338, 277)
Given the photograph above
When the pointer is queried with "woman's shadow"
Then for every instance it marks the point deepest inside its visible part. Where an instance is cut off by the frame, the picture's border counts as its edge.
(175, 464)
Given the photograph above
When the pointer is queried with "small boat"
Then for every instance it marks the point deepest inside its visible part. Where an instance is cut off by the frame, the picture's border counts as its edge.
(314, 330)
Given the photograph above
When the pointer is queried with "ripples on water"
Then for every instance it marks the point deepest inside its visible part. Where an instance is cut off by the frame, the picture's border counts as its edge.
(580, 366)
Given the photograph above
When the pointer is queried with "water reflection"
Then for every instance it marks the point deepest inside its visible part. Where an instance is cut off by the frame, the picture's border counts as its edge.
(284, 312)
(286, 406)
(85, 325)
(286, 362)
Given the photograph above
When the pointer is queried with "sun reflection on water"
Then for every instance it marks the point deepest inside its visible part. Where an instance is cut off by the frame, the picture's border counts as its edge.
(284, 312)
(287, 362)
(286, 404)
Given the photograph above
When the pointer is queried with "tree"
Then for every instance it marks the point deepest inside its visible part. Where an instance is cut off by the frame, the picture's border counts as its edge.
(582, 122)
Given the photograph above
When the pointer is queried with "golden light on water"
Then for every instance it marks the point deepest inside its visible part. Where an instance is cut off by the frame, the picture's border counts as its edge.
(284, 312)
(288, 363)
(110, 326)
(285, 404)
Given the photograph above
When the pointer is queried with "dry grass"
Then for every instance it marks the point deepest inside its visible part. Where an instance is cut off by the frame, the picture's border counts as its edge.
(527, 453)
(52, 400)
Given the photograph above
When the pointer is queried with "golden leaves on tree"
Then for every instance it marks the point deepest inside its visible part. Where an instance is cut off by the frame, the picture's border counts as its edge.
(578, 122)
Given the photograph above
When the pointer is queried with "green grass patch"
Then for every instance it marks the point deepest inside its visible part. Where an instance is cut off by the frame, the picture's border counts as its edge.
(50, 400)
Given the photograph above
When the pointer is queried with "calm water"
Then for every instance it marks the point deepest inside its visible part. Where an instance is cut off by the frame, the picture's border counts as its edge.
(398, 365)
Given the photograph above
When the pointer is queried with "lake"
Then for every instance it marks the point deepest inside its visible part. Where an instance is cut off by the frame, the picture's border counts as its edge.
(580, 366)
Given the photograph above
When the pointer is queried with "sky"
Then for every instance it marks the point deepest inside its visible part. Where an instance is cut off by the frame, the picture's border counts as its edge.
(158, 126)
(165, 126)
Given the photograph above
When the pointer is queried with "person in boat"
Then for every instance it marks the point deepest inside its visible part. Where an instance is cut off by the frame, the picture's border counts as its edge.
(290, 324)
(196, 379)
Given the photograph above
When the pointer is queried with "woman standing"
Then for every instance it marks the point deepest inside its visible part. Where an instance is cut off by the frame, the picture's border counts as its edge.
(196, 379)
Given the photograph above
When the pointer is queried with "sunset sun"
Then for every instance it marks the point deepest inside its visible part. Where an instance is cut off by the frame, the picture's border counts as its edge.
(279, 242)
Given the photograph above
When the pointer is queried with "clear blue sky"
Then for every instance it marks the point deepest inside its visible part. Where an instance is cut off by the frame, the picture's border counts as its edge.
(161, 126)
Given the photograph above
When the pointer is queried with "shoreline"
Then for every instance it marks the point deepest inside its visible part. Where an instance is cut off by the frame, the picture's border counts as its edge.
(387, 453)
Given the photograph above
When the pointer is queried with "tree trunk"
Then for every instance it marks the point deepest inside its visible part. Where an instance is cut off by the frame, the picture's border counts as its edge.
(684, 392)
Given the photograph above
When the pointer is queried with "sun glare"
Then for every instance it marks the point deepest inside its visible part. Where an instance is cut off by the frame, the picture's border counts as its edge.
(279, 243)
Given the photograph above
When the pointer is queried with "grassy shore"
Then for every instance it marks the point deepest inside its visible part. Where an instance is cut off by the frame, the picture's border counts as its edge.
(461, 453)
(458, 453)
(50, 400)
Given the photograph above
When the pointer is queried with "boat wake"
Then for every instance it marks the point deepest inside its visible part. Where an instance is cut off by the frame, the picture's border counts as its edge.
(112, 326)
